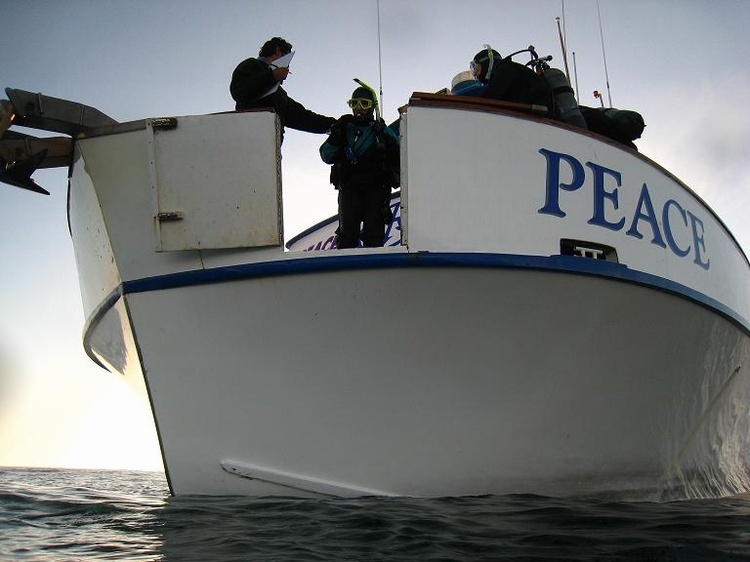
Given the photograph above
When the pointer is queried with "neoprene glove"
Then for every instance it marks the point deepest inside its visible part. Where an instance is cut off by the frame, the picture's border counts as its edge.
(337, 136)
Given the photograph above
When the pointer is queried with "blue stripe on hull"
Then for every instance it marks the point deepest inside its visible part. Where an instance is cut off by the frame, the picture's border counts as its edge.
(338, 262)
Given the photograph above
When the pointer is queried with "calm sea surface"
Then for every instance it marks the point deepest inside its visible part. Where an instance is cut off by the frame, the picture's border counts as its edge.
(61, 515)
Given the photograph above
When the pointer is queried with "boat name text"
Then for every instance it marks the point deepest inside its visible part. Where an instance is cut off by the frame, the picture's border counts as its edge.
(679, 230)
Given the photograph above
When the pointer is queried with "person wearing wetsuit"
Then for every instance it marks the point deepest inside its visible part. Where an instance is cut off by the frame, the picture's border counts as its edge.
(364, 154)
(507, 80)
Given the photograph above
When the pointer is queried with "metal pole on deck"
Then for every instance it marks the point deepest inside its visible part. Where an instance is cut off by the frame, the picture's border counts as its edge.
(564, 52)
(604, 54)
(380, 63)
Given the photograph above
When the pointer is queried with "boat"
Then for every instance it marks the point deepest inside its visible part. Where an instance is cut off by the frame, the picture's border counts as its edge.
(553, 313)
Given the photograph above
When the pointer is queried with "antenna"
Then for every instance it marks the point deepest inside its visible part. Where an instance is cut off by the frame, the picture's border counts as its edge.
(380, 60)
(564, 52)
(604, 56)
(575, 73)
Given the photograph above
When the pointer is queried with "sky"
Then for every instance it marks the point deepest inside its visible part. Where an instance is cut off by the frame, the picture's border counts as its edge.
(680, 63)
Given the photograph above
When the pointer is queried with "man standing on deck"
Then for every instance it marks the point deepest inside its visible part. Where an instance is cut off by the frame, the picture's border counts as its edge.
(256, 83)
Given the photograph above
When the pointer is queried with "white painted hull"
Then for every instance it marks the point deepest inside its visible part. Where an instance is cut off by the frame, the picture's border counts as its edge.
(441, 381)
(471, 358)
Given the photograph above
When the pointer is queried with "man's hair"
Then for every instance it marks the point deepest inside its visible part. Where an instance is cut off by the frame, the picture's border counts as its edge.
(270, 46)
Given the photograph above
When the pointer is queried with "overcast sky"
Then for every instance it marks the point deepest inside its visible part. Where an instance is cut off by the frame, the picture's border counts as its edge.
(680, 63)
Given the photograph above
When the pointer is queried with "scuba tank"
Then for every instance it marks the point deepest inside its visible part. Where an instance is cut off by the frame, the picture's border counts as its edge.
(566, 106)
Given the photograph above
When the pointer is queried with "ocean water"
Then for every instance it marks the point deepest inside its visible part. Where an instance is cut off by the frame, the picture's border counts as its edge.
(65, 515)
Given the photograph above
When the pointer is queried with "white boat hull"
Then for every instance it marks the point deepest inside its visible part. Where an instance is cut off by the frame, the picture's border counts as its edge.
(476, 356)
(523, 388)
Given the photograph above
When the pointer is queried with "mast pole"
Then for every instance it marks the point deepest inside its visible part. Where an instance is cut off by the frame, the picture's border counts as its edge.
(380, 63)
(604, 55)
(564, 52)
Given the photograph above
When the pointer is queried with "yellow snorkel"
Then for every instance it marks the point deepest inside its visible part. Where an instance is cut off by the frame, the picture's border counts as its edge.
(374, 96)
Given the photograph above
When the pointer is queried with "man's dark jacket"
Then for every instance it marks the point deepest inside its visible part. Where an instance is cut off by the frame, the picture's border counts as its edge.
(253, 77)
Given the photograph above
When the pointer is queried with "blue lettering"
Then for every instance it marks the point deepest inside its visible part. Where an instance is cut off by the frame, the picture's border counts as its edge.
(698, 241)
(601, 194)
(552, 202)
(668, 227)
(395, 224)
(649, 216)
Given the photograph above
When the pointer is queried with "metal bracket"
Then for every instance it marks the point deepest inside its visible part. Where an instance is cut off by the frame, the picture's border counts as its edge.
(164, 123)
(588, 250)
(170, 216)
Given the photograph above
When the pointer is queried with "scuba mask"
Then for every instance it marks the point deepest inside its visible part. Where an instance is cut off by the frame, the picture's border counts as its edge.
(363, 103)
(475, 65)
